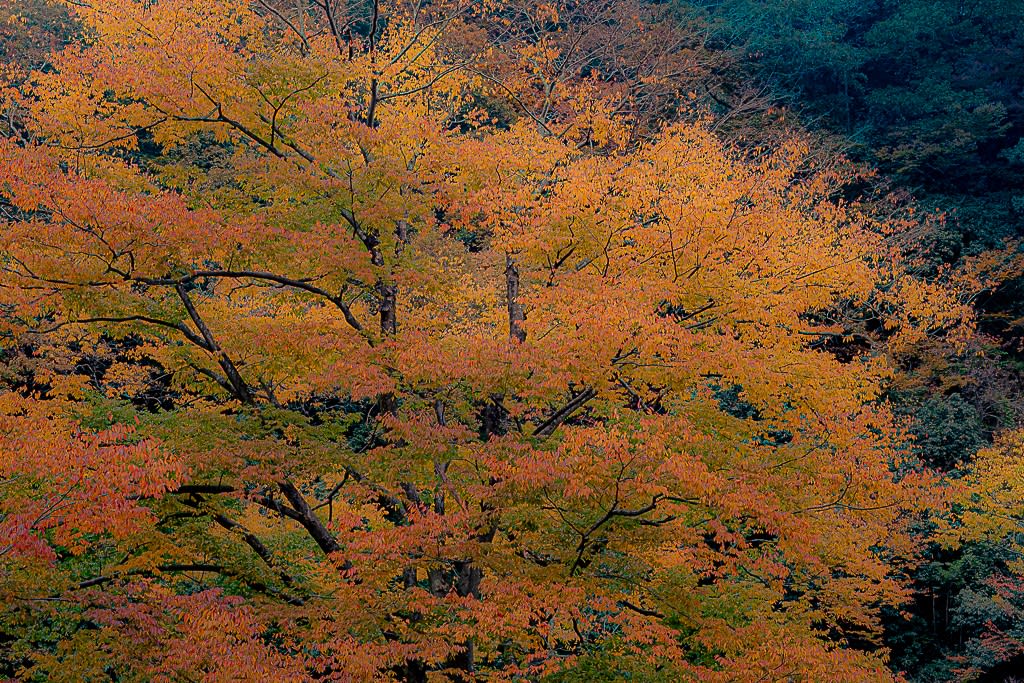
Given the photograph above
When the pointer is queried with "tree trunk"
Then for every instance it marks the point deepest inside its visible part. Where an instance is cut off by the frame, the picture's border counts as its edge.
(516, 315)
(388, 300)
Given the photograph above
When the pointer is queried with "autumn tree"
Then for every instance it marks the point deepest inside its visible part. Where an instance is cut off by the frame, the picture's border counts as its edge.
(316, 369)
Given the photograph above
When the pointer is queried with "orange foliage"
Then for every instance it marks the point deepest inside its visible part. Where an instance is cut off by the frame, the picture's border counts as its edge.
(449, 393)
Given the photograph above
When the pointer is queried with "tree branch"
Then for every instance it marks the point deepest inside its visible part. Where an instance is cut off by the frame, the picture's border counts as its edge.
(548, 427)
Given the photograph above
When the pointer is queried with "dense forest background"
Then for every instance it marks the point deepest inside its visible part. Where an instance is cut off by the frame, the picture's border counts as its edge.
(922, 103)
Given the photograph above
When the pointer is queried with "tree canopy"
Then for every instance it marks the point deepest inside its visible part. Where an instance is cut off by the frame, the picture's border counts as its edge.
(445, 341)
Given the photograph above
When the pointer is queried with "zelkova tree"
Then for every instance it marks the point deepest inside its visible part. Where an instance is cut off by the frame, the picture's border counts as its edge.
(329, 355)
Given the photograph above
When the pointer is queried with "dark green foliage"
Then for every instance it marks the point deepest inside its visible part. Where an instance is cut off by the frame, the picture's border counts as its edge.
(948, 430)
(959, 598)
(930, 88)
